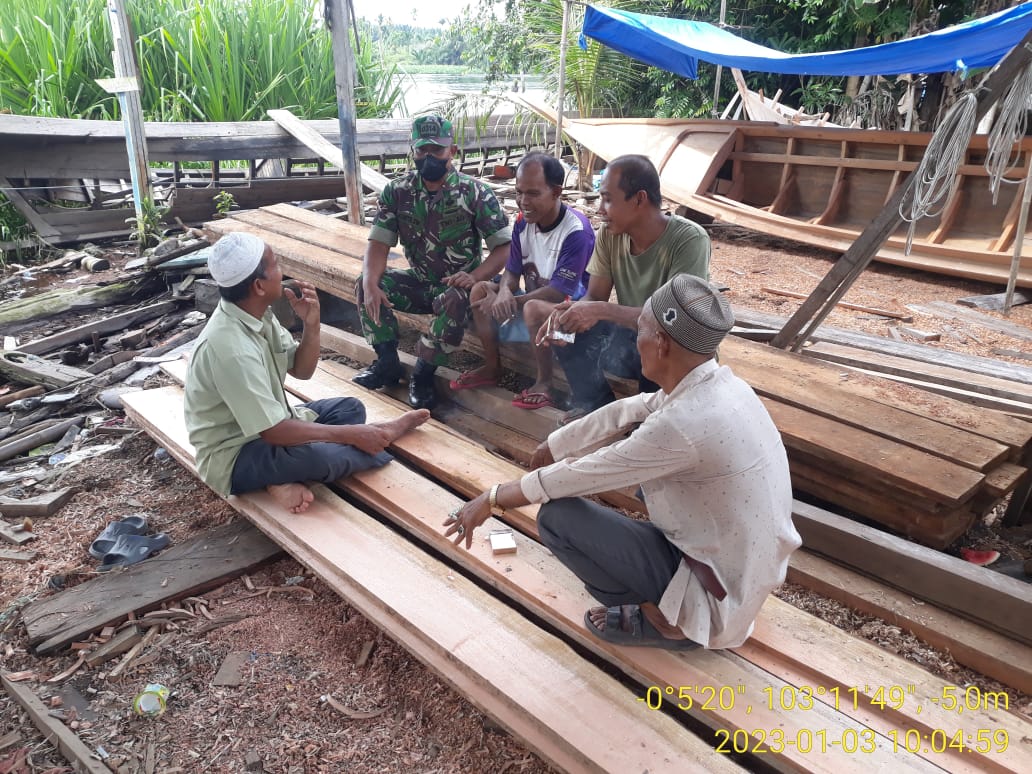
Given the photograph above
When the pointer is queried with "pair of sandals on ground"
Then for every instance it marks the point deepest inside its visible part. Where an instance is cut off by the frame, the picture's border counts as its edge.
(125, 542)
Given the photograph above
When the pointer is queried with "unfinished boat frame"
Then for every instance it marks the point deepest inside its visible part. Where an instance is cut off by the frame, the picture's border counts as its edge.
(823, 185)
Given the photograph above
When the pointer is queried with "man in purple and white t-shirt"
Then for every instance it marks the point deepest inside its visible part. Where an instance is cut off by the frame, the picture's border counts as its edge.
(550, 248)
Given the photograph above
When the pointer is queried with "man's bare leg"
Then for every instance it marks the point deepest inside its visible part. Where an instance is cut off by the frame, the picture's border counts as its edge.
(407, 422)
(535, 313)
(484, 328)
(294, 497)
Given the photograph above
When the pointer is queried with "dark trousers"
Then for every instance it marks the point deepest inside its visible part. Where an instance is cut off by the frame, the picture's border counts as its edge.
(620, 561)
(408, 293)
(261, 464)
(605, 347)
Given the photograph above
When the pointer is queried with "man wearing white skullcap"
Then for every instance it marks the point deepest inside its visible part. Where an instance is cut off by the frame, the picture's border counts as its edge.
(246, 434)
(714, 475)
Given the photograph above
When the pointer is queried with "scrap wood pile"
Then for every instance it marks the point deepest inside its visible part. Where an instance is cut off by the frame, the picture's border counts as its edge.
(925, 467)
(526, 679)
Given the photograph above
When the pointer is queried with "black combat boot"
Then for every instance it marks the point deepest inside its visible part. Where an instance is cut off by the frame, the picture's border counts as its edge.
(385, 372)
(421, 392)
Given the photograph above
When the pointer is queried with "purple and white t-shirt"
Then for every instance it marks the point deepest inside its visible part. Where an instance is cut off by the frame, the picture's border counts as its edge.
(557, 256)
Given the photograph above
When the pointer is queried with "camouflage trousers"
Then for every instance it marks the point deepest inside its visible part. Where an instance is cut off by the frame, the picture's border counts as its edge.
(409, 293)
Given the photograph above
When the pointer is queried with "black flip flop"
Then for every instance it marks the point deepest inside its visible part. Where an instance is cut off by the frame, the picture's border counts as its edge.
(130, 525)
(130, 549)
(642, 634)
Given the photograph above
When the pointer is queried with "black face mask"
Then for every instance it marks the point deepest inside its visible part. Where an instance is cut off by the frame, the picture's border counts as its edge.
(432, 168)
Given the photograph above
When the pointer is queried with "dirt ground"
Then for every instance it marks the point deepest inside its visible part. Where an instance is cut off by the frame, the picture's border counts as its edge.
(388, 713)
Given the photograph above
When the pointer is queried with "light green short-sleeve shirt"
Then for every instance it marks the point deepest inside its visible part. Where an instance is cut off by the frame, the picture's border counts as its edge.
(684, 248)
(234, 388)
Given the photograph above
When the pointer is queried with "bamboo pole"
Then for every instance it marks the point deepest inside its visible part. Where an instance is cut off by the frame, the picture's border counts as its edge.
(562, 80)
(339, 20)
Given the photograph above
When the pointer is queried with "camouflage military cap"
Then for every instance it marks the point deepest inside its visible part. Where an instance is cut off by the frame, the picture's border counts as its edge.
(431, 130)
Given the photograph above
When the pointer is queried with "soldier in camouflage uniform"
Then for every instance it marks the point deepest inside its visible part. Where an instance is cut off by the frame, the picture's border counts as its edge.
(442, 219)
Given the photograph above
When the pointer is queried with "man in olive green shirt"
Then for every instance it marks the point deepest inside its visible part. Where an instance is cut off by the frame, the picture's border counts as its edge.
(638, 249)
(246, 434)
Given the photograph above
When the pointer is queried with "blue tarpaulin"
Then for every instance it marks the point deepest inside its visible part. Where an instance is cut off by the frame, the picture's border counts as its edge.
(675, 45)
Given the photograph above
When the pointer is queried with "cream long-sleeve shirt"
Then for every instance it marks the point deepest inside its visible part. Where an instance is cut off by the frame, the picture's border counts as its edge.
(715, 478)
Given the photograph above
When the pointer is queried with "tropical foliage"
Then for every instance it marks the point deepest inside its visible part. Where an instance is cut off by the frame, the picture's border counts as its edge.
(207, 60)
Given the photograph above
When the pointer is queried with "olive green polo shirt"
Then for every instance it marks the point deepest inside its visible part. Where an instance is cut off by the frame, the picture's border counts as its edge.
(234, 388)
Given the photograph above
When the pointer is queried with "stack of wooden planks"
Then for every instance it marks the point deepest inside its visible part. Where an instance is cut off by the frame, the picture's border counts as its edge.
(570, 713)
(926, 468)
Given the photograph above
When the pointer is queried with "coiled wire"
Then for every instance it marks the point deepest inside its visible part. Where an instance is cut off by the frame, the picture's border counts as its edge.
(935, 174)
(1008, 129)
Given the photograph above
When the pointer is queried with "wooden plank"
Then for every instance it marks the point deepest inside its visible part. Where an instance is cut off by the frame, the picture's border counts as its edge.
(977, 593)
(972, 645)
(922, 697)
(855, 307)
(564, 709)
(993, 302)
(190, 568)
(55, 731)
(40, 506)
(932, 525)
(900, 366)
(1016, 409)
(8, 555)
(319, 145)
(14, 534)
(42, 228)
(229, 671)
(116, 322)
(30, 369)
(880, 459)
(32, 438)
(817, 387)
(28, 392)
(921, 353)
(1004, 479)
(946, 310)
(121, 642)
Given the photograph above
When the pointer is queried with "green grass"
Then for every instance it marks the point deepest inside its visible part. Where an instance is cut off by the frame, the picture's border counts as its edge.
(200, 60)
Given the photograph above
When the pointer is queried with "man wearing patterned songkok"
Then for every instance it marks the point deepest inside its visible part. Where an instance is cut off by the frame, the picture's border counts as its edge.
(246, 433)
(443, 219)
(714, 475)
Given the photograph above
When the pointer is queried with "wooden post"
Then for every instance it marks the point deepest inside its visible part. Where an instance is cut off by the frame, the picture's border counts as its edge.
(1019, 237)
(562, 80)
(338, 17)
(853, 262)
(129, 103)
(720, 70)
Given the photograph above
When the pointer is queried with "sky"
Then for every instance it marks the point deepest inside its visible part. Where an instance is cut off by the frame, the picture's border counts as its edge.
(422, 14)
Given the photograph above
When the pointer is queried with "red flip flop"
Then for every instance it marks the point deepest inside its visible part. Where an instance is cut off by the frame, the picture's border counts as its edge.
(523, 400)
(470, 381)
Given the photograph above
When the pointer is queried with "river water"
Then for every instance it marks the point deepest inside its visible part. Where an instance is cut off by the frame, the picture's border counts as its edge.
(424, 91)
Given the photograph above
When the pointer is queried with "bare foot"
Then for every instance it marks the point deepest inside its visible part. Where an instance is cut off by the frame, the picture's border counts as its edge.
(294, 497)
(410, 420)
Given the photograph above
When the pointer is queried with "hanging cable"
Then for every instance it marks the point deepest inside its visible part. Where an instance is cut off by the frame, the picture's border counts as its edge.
(934, 176)
(1008, 129)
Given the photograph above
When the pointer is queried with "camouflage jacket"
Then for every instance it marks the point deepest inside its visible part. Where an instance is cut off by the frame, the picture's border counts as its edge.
(443, 231)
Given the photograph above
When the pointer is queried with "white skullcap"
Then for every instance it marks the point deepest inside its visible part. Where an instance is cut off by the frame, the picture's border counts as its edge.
(235, 257)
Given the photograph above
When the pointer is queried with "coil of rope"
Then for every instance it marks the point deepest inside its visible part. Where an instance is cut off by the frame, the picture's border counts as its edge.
(938, 169)
(1008, 129)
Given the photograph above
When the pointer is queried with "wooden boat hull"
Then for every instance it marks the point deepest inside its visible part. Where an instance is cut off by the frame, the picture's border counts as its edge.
(823, 185)
(69, 177)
